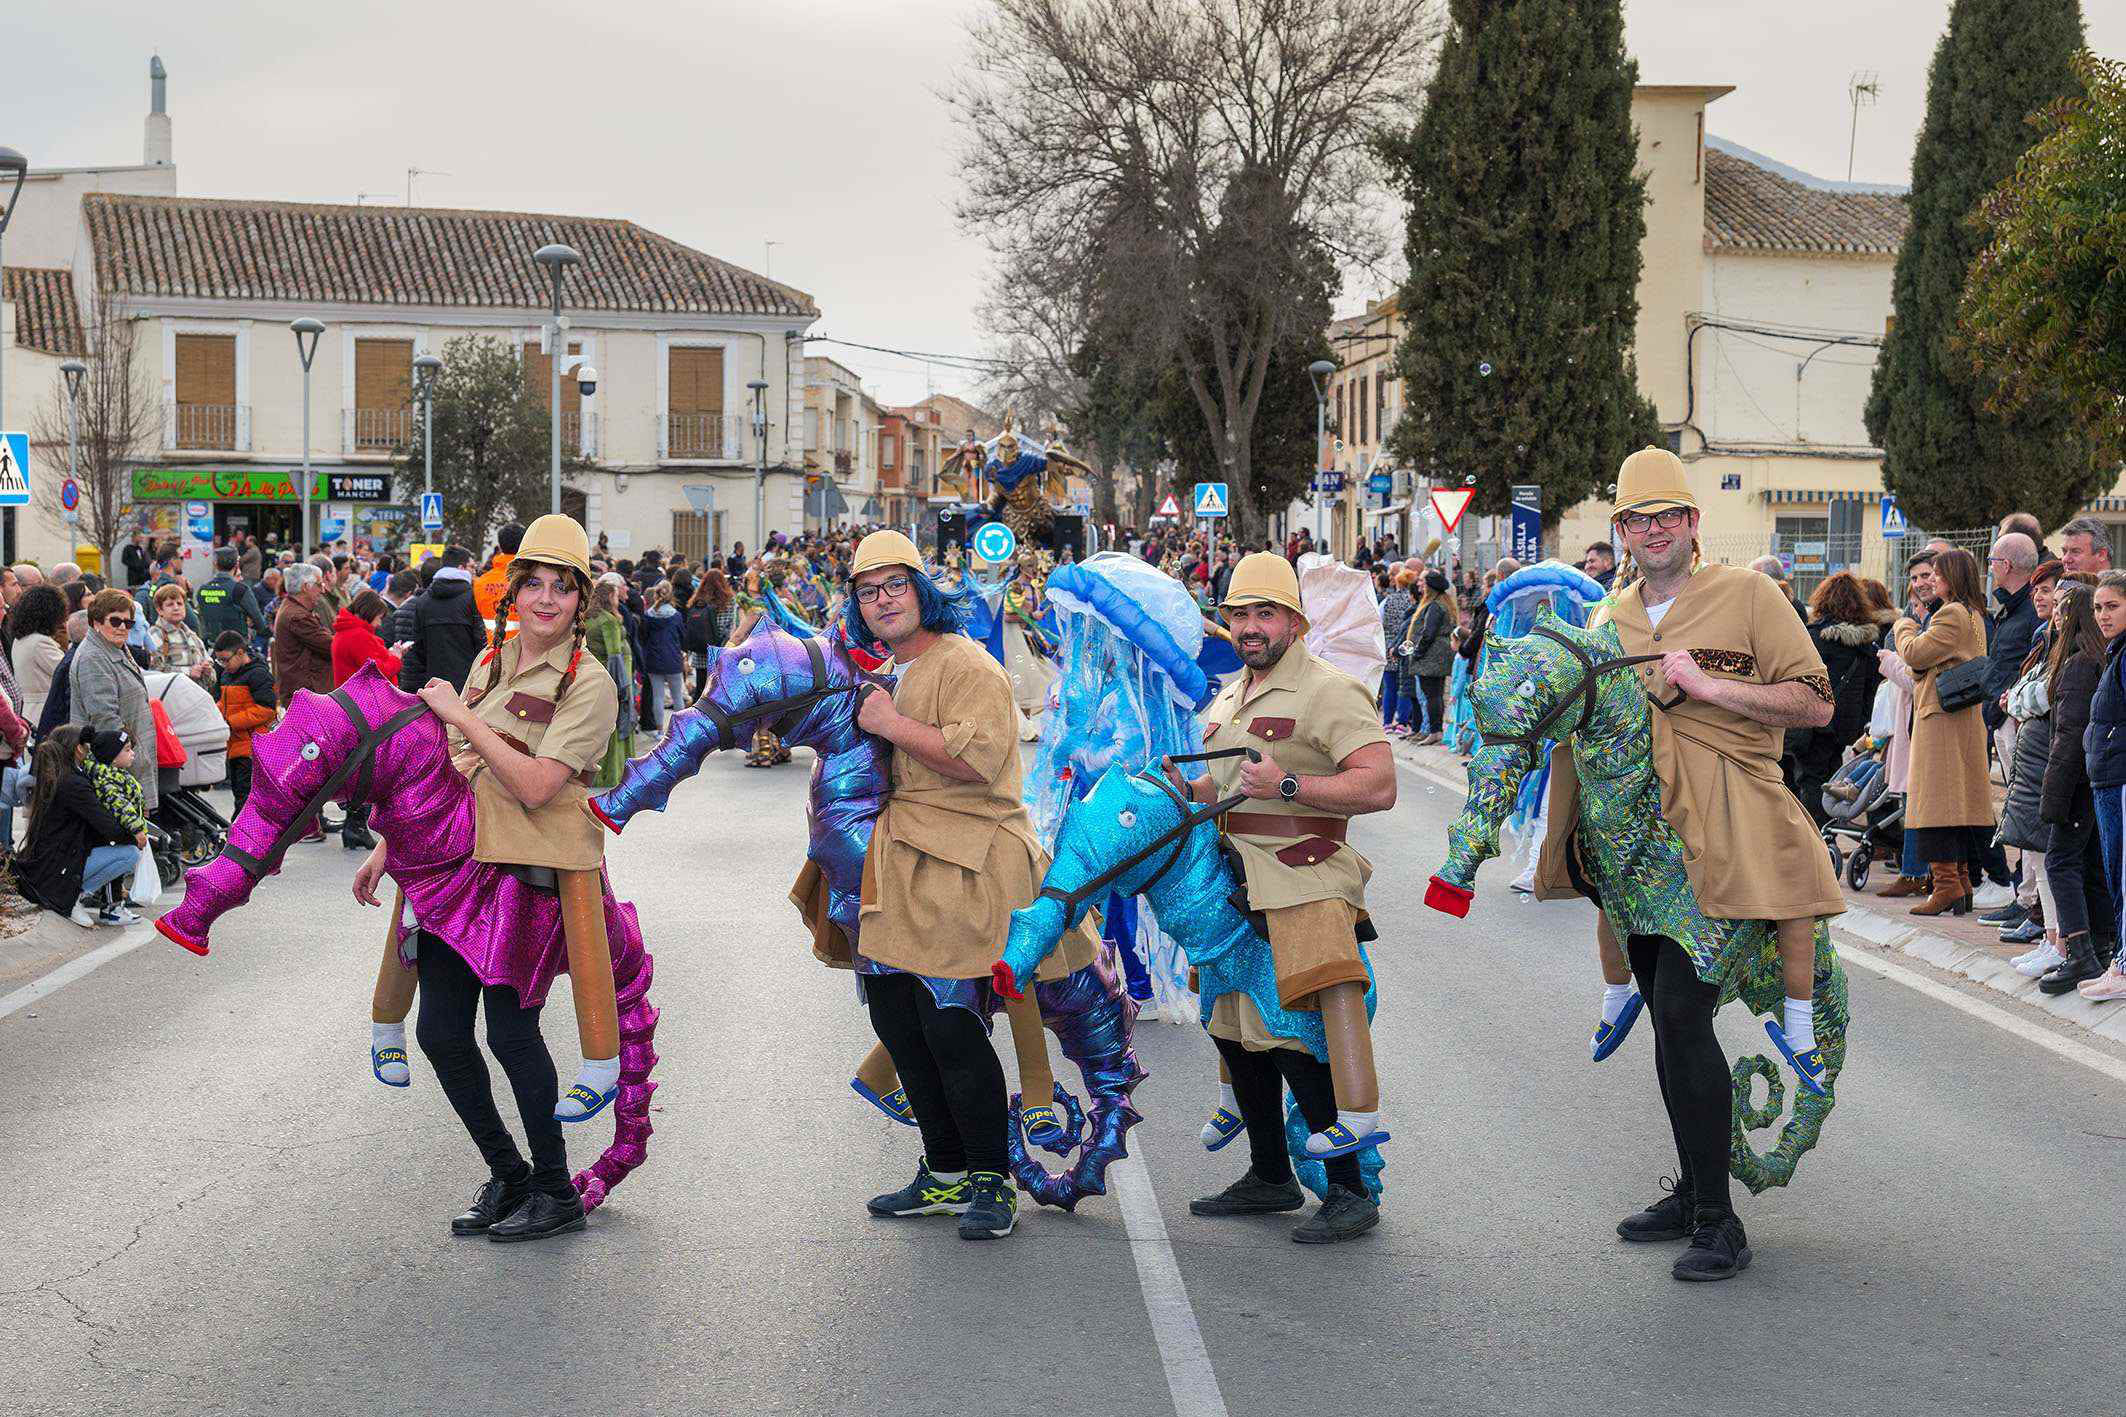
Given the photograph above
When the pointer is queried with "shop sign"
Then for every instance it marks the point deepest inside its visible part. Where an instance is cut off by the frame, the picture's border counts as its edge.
(359, 486)
(187, 484)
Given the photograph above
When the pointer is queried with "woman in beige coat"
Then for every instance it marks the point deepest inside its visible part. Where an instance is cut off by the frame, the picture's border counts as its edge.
(1950, 798)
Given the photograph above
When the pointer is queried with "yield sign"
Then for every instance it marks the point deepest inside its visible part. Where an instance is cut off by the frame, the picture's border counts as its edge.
(1169, 508)
(1448, 504)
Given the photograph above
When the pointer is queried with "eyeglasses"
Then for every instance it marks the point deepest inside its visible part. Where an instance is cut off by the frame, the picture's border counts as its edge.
(1668, 519)
(119, 622)
(895, 586)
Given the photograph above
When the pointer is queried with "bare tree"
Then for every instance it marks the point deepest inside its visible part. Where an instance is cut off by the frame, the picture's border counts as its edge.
(1035, 329)
(1180, 165)
(119, 421)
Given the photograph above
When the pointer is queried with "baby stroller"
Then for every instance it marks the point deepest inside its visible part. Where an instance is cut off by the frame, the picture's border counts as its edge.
(1863, 812)
(192, 832)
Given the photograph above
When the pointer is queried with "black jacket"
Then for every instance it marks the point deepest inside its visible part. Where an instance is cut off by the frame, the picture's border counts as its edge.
(59, 699)
(2009, 625)
(447, 635)
(226, 603)
(2103, 744)
(2065, 796)
(49, 868)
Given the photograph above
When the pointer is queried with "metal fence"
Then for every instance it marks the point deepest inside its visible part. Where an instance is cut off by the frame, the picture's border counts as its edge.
(1811, 556)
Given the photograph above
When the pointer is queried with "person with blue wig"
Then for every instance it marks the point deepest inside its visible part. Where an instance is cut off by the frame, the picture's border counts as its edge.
(952, 854)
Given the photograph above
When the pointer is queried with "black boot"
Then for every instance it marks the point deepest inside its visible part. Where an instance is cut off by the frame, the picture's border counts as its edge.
(2081, 963)
(1718, 1248)
(1669, 1218)
(542, 1214)
(1251, 1195)
(354, 831)
(496, 1199)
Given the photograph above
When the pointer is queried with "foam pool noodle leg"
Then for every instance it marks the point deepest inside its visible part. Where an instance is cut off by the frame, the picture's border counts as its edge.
(395, 982)
(877, 1071)
(590, 963)
(1029, 1040)
(1350, 1039)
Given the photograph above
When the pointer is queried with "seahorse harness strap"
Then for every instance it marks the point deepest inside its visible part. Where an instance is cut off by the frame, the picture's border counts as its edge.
(361, 759)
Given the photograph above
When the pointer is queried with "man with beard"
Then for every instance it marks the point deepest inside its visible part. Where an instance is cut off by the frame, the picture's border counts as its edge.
(1737, 670)
(951, 856)
(1323, 758)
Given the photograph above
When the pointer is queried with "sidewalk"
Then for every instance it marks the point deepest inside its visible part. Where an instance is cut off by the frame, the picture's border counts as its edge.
(1956, 945)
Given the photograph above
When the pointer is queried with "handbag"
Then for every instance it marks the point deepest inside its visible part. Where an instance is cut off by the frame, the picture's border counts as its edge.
(169, 748)
(147, 881)
(1961, 686)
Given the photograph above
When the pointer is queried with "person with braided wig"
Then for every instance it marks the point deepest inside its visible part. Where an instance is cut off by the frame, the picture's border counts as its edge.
(529, 730)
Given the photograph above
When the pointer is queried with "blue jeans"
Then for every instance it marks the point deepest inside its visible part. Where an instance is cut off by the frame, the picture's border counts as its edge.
(2108, 833)
(1912, 868)
(106, 864)
(15, 785)
(1397, 704)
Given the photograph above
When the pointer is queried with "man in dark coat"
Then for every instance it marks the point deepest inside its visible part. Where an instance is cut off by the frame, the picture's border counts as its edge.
(447, 634)
(2010, 625)
(226, 603)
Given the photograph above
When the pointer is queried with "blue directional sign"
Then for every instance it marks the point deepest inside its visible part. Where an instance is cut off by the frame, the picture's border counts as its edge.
(14, 469)
(431, 511)
(1380, 483)
(995, 542)
(1212, 499)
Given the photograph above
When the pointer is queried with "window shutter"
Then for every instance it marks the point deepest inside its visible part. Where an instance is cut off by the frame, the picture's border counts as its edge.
(206, 370)
(539, 378)
(383, 374)
(695, 380)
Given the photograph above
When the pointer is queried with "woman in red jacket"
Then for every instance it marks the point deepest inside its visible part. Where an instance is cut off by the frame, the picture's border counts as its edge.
(357, 639)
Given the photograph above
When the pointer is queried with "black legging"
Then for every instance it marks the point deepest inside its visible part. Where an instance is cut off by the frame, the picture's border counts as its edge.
(948, 1069)
(1259, 1081)
(1432, 688)
(1692, 1071)
(450, 995)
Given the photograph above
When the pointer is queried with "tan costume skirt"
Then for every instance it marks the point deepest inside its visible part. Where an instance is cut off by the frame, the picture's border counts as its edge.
(1314, 945)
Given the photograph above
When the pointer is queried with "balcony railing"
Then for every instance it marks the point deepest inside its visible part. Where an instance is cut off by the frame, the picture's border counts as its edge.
(218, 427)
(377, 430)
(713, 437)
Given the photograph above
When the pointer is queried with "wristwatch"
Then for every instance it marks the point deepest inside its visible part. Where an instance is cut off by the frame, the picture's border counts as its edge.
(1288, 787)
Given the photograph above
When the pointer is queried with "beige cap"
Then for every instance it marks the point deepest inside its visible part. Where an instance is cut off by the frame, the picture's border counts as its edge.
(1264, 578)
(557, 540)
(1649, 480)
(885, 548)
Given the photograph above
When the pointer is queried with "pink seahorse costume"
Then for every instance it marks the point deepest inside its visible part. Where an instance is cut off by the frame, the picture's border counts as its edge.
(508, 931)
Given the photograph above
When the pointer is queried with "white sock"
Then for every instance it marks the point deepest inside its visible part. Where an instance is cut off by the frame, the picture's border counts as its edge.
(1228, 1099)
(1358, 1123)
(1614, 998)
(1800, 1024)
(949, 1177)
(600, 1075)
(389, 1035)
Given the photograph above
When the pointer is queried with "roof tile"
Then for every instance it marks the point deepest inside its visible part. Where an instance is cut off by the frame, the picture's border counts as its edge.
(47, 317)
(1748, 208)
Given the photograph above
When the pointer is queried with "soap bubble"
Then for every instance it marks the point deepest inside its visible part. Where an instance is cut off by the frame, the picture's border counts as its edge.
(1484, 370)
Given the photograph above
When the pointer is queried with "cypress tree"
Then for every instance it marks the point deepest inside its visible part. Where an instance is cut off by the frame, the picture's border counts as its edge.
(1526, 214)
(1950, 462)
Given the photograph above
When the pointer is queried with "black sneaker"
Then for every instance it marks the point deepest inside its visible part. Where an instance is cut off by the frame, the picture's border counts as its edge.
(2007, 917)
(1718, 1248)
(1251, 1195)
(925, 1195)
(992, 1207)
(1345, 1215)
(1668, 1218)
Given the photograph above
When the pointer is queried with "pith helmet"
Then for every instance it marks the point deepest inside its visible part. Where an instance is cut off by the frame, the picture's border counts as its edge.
(885, 548)
(1264, 578)
(557, 540)
(1651, 479)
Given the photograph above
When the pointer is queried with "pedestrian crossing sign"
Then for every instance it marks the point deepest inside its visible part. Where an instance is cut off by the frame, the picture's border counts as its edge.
(431, 511)
(1168, 508)
(1893, 519)
(14, 469)
(1211, 500)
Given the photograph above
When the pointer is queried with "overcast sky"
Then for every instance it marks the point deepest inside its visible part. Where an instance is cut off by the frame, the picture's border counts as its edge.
(813, 124)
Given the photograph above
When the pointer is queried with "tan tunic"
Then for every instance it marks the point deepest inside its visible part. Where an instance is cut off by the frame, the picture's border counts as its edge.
(949, 861)
(1749, 848)
(522, 708)
(1308, 717)
(1947, 785)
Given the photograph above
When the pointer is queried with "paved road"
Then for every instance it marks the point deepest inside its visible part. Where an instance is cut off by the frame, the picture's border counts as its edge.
(215, 1209)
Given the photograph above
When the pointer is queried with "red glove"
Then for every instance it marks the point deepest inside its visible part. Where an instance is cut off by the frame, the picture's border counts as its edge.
(1000, 979)
(1449, 897)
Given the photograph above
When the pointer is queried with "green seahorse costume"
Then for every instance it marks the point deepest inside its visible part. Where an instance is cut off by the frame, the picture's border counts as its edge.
(1633, 859)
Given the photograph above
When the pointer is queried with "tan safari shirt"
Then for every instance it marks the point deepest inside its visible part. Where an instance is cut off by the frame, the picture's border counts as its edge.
(949, 861)
(521, 708)
(1749, 848)
(1309, 717)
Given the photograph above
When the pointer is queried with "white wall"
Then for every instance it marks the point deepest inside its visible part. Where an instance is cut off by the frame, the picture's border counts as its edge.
(46, 228)
(1770, 390)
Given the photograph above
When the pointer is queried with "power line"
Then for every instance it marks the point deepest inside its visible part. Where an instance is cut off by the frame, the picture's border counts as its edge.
(973, 363)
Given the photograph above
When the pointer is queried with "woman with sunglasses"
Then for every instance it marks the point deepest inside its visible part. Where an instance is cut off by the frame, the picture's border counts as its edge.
(107, 687)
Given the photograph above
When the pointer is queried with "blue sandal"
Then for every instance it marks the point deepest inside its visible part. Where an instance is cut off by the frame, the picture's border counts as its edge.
(1342, 1142)
(1808, 1067)
(1608, 1037)
(1220, 1130)
(1043, 1126)
(592, 1103)
(894, 1104)
(379, 1057)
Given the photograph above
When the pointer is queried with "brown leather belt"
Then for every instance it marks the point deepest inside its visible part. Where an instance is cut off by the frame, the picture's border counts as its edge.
(1269, 824)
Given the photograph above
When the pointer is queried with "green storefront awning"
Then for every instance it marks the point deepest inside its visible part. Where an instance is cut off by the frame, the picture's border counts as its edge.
(204, 484)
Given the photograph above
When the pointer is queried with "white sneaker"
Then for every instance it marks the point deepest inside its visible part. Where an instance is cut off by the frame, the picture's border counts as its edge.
(117, 915)
(80, 916)
(1525, 882)
(2044, 957)
(1992, 896)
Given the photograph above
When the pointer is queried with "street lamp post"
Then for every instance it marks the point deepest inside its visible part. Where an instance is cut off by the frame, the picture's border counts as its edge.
(16, 165)
(557, 259)
(307, 332)
(760, 461)
(425, 370)
(1319, 371)
(73, 369)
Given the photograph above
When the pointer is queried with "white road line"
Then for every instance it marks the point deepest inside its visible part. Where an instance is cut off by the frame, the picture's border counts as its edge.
(134, 937)
(1189, 1379)
(1999, 1017)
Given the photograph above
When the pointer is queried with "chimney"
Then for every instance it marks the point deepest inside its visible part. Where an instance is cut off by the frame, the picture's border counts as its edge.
(156, 149)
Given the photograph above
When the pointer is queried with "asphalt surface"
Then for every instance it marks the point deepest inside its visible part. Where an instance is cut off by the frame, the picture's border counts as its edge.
(215, 1209)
